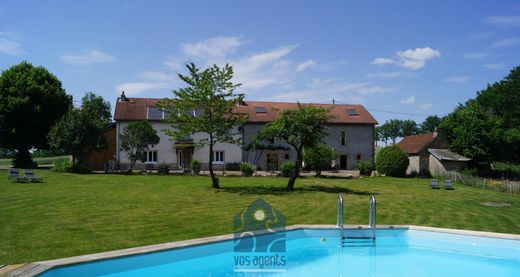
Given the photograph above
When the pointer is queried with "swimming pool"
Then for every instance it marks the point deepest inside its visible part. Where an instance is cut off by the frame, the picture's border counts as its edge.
(316, 252)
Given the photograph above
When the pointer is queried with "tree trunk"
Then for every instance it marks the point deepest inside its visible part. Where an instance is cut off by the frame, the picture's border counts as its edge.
(214, 180)
(296, 172)
(132, 164)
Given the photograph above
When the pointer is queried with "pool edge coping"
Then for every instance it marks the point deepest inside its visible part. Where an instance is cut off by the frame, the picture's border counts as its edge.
(35, 268)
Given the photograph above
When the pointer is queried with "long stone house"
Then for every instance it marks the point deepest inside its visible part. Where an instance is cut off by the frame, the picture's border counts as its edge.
(350, 132)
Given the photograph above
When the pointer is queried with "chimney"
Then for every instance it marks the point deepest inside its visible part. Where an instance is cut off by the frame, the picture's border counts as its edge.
(333, 101)
(441, 137)
(123, 98)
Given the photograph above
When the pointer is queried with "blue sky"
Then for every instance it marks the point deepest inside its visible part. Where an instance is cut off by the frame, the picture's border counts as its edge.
(413, 58)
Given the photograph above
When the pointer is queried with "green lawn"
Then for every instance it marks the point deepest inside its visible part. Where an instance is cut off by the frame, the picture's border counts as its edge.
(73, 214)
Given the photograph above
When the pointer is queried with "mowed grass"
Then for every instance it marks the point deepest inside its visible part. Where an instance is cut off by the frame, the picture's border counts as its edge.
(72, 214)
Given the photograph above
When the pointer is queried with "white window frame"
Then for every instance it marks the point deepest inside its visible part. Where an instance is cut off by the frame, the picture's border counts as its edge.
(221, 157)
(150, 161)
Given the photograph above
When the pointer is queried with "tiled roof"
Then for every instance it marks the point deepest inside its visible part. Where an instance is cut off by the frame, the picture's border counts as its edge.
(414, 144)
(136, 109)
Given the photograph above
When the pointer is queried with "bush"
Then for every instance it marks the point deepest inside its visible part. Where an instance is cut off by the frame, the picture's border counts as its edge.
(195, 165)
(247, 169)
(392, 161)
(61, 166)
(320, 158)
(287, 169)
(233, 166)
(470, 171)
(79, 169)
(163, 168)
(364, 167)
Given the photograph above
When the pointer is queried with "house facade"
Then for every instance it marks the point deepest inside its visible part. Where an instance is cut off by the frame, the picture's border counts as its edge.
(350, 132)
(428, 154)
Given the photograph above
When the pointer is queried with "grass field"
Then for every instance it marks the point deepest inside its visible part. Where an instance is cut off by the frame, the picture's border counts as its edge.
(71, 214)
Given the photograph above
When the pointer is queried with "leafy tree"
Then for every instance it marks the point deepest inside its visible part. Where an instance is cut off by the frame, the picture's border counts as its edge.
(392, 161)
(320, 157)
(488, 128)
(31, 100)
(392, 129)
(301, 128)
(136, 139)
(206, 106)
(407, 128)
(429, 124)
(81, 130)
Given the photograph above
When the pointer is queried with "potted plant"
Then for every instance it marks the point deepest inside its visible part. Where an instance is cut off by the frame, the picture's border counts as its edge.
(195, 166)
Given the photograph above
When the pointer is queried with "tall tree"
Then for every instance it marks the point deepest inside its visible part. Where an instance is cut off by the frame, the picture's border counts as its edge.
(429, 124)
(301, 128)
(31, 100)
(136, 139)
(407, 128)
(392, 129)
(205, 106)
(81, 130)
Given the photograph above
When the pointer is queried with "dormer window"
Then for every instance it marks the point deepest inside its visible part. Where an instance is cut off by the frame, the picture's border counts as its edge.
(260, 110)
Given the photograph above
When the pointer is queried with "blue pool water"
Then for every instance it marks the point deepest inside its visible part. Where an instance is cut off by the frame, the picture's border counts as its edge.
(316, 252)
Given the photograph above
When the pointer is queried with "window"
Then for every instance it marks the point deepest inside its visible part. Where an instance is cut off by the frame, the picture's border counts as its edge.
(155, 113)
(287, 156)
(271, 141)
(352, 112)
(343, 138)
(260, 109)
(218, 156)
(358, 157)
(150, 157)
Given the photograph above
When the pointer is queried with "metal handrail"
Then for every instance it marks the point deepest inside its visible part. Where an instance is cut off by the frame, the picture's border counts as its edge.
(339, 221)
(372, 216)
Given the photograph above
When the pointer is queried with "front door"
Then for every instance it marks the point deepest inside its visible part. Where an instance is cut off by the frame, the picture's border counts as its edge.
(272, 161)
(184, 157)
(343, 162)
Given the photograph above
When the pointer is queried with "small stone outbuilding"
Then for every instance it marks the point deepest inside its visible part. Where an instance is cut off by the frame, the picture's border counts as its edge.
(429, 154)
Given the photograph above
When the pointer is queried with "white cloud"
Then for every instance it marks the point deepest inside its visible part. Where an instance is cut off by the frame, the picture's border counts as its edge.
(426, 106)
(382, 61)
(411, 58)
(504, 20)
(86, 57)
(507, 42)
(134, 88)
(494, 65)
(304, 65)
(212, 48)
(476, 55)
(457, 79)
(157, 76)
(409, 100)
(173, 63)
(10, 45)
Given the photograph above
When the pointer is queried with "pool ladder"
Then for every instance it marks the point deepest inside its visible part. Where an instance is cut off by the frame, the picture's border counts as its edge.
(357, 241)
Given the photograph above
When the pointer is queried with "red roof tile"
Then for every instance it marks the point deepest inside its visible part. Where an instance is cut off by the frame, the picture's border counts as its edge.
(136, 109)
(414, 144)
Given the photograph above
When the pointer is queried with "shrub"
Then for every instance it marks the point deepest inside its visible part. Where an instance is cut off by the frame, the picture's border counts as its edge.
(392, 161)
(247, 169)
(233, 166)
(364, 167)
(61, 166)
(79, 169)
(163, 168)
(470, 171)
(195, 165)
(287, 169)
(320, 157)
